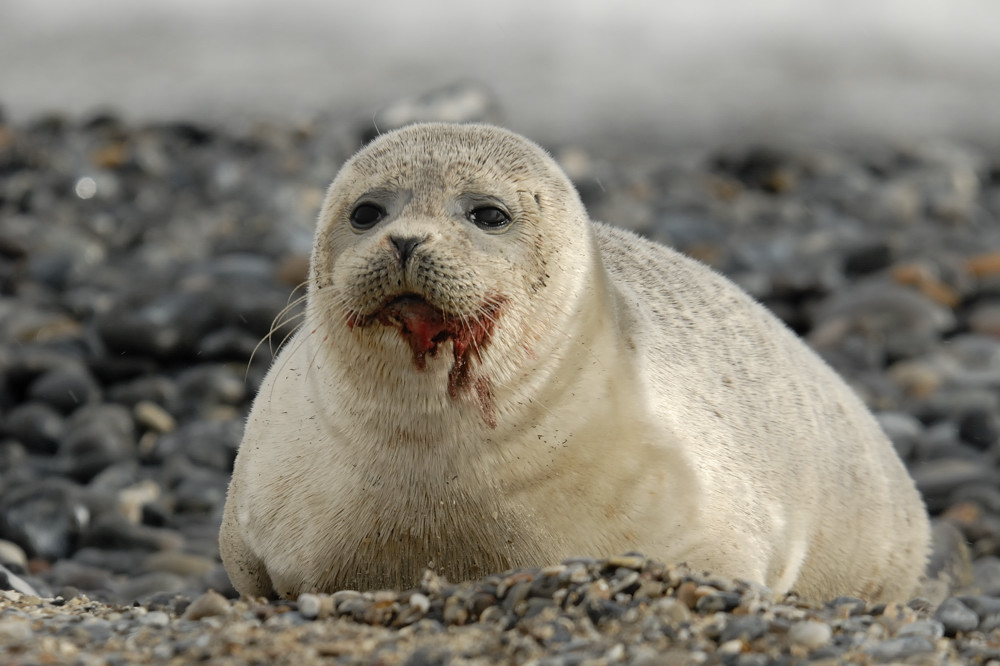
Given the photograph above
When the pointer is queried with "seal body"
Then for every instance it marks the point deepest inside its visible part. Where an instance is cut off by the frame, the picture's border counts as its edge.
(486, 379)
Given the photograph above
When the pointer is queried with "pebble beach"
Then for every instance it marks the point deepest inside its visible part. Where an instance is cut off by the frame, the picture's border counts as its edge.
(149, 271)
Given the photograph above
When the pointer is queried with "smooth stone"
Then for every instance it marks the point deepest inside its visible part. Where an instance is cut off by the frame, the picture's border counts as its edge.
(38, 426)
(168, 326)
(66, 389)
(145, 586)
(124, 560)
(904, 430)
(955, 616)
(986, 573)
(97, 437)
(11, 581)
(180, 563)
(44, 518)
(13, 556)
(460, 102)
(15, 631)
(156, 389)
(985, 318)
(719, 601)
(898, 648)
(114, 531)
(309, 606)
(929, 629)
(209, 604)
(980, 428)
(810, 634)
(901, 321)
(746, 628)
(217, 579)
(89, 579)
(198, 490)
(206, 443)
(150, 415)
(206, 386)
(941, 477)
(156, 619)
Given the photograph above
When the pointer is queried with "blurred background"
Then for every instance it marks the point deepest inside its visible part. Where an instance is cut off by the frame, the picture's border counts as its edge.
(667, 73)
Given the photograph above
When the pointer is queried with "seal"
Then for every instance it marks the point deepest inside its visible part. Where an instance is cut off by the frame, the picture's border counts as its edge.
(486, 379)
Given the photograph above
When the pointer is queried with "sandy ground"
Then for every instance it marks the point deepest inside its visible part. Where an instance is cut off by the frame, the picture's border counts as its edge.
(671, 72)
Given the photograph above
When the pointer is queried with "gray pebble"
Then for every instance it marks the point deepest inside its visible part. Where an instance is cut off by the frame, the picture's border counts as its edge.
(209, 604)
(810, 634)
(11, 581)
(746, 628)
(986, 573)
(309, 606)
(12, 555)
(37, 425)
(66, 389)
(98, 436)
(929, 629)
(894, 649)
(157, 619)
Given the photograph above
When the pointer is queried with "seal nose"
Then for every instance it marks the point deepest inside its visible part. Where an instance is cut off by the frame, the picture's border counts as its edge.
(404, 246)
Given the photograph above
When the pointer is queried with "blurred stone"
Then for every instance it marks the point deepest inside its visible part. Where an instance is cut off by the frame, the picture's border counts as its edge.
(38, 426)
(66, 389)
(469, 102)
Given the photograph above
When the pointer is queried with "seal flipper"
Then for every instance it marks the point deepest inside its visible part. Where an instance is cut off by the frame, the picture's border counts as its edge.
(246, 571)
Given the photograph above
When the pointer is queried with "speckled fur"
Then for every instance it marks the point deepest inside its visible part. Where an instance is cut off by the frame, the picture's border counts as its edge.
(640, 402)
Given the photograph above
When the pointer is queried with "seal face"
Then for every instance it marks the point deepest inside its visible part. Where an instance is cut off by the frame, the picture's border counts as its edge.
(487, 379)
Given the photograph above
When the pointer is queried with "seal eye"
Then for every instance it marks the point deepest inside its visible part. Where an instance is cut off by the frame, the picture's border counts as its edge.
(366, 216)
(489, 218)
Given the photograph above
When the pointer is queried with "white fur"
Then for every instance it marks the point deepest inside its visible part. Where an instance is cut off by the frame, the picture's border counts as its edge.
(640, 401)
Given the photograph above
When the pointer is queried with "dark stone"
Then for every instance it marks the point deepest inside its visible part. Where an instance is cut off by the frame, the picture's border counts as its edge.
(111, 531)
(206, 386)
(36, 425)
(44, 518)
(956, 616)
(148, 388)
(98, 436)
(66, 389)
(867, 259)
(980, 428)
(748, 628)
(720, 601)
(206, 443)
(759, 168)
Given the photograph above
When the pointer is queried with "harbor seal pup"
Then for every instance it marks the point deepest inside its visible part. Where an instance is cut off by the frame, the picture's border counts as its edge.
(486, 379)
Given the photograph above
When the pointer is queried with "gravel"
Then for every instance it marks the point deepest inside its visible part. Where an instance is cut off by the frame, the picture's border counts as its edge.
(148, 273)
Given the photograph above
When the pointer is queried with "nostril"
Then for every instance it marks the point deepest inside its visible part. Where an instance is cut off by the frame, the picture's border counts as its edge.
(405, 245)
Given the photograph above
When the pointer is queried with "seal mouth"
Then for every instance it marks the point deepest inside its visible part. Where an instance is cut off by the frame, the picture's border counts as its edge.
(425, 326)
(421, 324)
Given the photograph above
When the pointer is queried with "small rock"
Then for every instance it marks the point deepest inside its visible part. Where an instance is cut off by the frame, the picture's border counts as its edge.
(209, 604)
(980, 428)
(956, 617)
(13, 556)
(38, 426)
(894, 649)
(156, 619)
(66, 389)
(98, 436)
(810, 634)
(15, 631)
(150, 415)
(929, 629)
(10, 581)
(309, 606)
